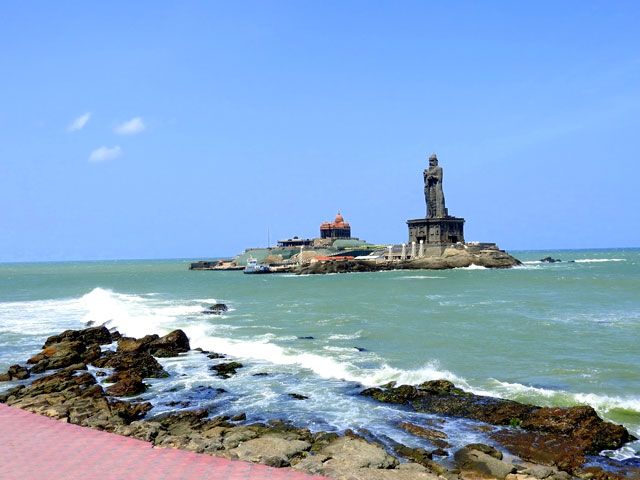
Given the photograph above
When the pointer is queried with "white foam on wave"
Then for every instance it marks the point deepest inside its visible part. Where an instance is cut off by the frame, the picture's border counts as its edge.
(132, 315)
(473, 266)
(346, 336)
(419, 277)
(39, 317)
(600, 260)
(322, 365)
(603, 404)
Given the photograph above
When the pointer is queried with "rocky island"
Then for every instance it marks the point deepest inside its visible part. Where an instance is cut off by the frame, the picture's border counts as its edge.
(434, 242)
(84, 376)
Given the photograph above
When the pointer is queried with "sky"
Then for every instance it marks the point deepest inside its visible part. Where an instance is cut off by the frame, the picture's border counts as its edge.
(197, 129)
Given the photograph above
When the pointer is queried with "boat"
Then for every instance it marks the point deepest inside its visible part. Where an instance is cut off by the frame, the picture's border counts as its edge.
(254, 267)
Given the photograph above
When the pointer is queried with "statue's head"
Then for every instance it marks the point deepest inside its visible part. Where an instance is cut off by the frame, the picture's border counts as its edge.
(433, 160)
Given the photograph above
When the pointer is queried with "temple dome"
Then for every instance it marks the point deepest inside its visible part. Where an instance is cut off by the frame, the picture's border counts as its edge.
(339, 218)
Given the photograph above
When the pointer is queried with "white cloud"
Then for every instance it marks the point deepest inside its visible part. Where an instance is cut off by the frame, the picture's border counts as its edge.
(130, 127)
(103, 154)
(79, 123)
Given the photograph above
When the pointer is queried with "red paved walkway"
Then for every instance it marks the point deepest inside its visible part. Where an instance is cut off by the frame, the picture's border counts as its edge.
(34, 447)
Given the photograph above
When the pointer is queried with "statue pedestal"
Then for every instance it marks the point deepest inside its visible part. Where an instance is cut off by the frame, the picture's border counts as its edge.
(437, 232)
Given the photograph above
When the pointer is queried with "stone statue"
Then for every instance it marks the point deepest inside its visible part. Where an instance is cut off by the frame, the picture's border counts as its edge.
(433, 193)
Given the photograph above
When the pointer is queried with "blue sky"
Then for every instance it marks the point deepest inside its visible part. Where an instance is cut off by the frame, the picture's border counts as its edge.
(188, 129)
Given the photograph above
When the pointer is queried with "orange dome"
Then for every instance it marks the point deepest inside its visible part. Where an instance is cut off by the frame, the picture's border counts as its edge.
(339, 218)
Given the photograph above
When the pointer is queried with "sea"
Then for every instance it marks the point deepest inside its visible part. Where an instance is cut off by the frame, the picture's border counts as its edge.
(553, 334)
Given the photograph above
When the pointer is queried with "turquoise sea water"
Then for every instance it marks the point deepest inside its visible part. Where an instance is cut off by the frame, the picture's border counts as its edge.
(550, 334)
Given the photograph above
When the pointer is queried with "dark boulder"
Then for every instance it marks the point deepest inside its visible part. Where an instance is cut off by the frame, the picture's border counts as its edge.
(99, 335)
(217, 309)
(126, 387)
(130, 344)
(444, 398)
(58, 355)
(297, 396)
(170, 345)
(226, 370)
(15, 372)
(550, 260)
(142, 363)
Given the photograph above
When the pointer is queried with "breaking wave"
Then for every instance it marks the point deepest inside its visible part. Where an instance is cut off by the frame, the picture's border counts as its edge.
(600, 260)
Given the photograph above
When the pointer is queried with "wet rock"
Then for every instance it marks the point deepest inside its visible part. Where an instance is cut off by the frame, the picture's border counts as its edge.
(562, 436)
(226, 370)
(308, 337)
(468, 458)
(241, 417)
(92, 353)
(127, 387)
(214, 356)
(552, 436)
(170, 345)
(15, 372)
(582, 424)
(434, 436)
(98, 335)
(550, 260)
(59, 355)
(297, 396)
(217, 309)
(418, 455)
(442, 397)
(136, 345)
(260, 374)
(142, 363)
(361, 349)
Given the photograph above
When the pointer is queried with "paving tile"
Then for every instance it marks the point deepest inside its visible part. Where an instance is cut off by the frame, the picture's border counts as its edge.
(35, 447)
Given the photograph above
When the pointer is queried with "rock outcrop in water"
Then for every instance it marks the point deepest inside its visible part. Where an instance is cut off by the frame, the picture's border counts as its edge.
(560, 437)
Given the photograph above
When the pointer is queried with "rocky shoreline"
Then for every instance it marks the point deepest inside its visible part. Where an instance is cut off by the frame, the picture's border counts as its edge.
(532, 442)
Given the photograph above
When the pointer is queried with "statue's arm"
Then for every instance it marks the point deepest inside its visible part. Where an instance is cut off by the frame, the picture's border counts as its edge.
(434, 174)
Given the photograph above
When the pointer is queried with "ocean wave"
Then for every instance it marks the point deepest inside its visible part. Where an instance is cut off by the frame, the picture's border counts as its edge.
(599, 260)
(473, 266)
(602, 403)
(346, 336)
(322, 365)
(419, 277)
